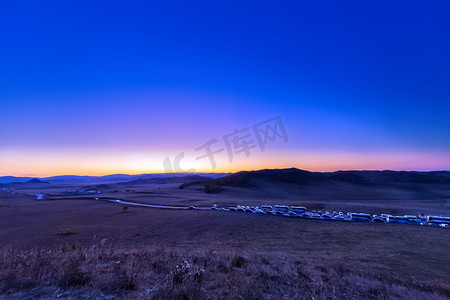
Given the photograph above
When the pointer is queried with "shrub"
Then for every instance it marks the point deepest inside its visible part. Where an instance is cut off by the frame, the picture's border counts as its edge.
(238, 262)
(212, 188)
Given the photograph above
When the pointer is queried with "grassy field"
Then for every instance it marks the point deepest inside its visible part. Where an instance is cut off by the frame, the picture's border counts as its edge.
(70, 248)
(105, 271)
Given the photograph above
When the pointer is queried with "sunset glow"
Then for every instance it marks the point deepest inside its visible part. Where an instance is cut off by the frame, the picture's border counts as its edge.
(122, 91)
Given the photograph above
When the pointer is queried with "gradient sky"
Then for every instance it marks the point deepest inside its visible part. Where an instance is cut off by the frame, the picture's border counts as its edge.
(99, 87)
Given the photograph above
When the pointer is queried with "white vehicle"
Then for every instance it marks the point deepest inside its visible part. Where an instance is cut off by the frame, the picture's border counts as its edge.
(360, 217)
(315, 215)
(398, 219)
(248, 209)
(259, 210)
(240, 208)
(385, 217)
(438, 220)
(267, 209)
(378, 219)
(327, 215)
(282, 208)
(413, 219)
(298, 209)
(304, 215)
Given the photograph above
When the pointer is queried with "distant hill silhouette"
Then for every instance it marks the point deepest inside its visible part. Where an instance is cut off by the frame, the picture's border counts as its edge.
(291, 175)
(98, 187)
(31, 181)
(297, 176)
(422, 184)
(113, 178)
(171, 179)
(35, 180)
(11, 179)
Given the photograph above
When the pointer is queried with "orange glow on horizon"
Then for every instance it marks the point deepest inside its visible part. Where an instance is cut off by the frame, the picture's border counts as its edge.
(97, 163)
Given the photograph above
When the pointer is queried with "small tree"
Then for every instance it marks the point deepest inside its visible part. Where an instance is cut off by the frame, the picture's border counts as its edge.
(212, 188)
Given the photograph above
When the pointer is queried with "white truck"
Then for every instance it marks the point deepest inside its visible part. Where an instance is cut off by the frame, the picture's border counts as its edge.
(360, 217)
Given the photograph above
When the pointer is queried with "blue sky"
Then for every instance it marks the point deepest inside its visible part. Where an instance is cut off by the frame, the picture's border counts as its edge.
(137, 78)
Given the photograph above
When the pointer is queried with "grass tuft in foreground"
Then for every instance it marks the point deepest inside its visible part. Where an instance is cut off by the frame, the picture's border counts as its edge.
(106, 271)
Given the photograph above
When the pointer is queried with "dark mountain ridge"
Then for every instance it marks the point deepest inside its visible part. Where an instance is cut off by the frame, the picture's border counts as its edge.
(171, 179)
(302, 177)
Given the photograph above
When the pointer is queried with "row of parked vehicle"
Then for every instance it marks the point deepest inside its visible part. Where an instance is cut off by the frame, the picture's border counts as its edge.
(8, 190)
(300, 211)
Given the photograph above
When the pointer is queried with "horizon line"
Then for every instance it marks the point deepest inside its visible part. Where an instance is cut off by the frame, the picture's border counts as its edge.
(224, 172)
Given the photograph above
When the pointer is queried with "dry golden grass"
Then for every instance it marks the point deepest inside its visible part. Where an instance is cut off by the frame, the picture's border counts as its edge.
(230, 255)
(106, 271)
